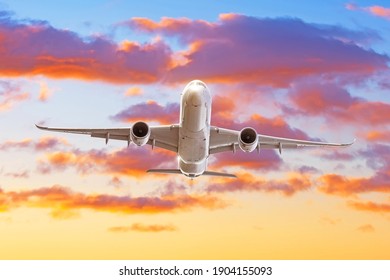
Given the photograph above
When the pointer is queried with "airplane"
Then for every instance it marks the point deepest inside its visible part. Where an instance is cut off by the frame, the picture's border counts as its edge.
(194, 139)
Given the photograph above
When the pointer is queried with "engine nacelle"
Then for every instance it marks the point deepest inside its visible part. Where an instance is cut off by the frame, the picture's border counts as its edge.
(247, 139)
(140, 133)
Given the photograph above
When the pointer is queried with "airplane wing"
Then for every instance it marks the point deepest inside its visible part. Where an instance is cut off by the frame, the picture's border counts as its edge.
(222, 140)
(164, 136)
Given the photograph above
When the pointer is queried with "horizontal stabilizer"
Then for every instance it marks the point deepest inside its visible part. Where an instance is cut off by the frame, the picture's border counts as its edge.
(178, 171)
(165, 171)
(220, 174)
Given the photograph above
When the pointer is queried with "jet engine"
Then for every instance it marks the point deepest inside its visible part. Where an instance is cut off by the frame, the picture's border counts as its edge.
(140, 133)
(247, 139)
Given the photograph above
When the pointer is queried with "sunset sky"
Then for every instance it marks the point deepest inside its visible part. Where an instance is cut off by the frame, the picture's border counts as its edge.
(300, 69)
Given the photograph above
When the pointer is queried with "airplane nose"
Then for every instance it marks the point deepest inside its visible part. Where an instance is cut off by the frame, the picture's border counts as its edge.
(195, 98)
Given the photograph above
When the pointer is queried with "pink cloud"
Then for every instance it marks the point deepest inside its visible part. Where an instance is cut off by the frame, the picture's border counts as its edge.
(15, 144)
(150, 111)
(259, 51)
(44, 143)
(49, 142)
(333, 102)
(65, 54)
(10, 95)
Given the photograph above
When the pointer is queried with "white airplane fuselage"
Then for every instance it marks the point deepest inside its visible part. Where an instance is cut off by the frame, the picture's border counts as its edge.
(194, 129)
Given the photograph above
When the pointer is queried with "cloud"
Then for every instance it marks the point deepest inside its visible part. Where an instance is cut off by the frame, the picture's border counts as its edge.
(36, 48)
(378, 11)
(367, 228)
(42, 144)
(344, 186)
(116, 182)
(370, 206)
(379, 136)
(10, 144)
(330, 221)
(377, 158)
(134, 91)
(307, 169)
(10, 95)
(59, 198)
(335, 103)
(132, 161)
(44, 91)
(150, 111)
(259, 51)
(265, 160)
(49, 143)
(247, 182)
(144, 228)
(19, 175)
(337, 155)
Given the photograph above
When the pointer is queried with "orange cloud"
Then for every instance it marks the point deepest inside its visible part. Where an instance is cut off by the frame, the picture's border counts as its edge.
(380, 11)
(370, 206)
(367, 228)
(144, 228)
(376, 10)
(377, 158)
(60, 199)
(134, 91)
(376, 135)
(343, 186)
(247, 182)
(128, 161)
(44, 91)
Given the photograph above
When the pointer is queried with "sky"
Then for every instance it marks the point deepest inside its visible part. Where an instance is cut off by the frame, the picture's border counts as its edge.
(300, 69)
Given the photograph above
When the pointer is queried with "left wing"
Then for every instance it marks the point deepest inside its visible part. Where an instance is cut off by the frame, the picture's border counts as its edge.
(163, 136)
(222, 140)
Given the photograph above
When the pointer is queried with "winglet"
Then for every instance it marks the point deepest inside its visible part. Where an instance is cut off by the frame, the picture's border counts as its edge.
(40, 126)
(349, 144)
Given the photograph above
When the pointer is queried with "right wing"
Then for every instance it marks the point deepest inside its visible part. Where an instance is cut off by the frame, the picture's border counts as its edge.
(222, 140)
(163, 136)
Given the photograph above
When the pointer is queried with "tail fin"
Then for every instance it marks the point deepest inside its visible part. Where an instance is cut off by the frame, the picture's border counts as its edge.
(178, 171)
